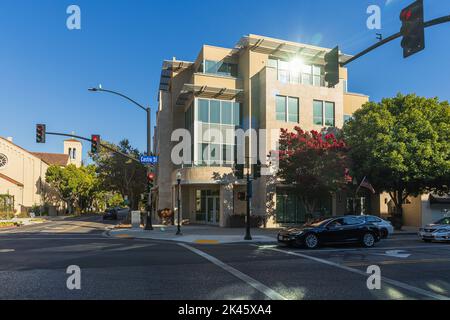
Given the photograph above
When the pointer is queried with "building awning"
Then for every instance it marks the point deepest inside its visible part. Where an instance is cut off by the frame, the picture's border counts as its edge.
(285, 49)
(439, 199)
(168, 68)
(208, 92)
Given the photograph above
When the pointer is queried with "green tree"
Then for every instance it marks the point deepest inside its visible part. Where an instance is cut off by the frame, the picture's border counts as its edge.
(315, 163)
(119, 174)
(76, 186)
(403, 146)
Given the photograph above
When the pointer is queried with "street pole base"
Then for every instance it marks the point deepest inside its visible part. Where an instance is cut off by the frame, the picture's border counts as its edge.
(179, 233)
(148, 228)
(248, 237)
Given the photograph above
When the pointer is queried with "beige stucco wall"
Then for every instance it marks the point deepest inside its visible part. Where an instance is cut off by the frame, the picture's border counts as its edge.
(25, 169)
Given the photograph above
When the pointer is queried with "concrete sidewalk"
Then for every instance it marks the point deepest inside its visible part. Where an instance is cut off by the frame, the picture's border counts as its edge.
(198, 234)
(212, 235)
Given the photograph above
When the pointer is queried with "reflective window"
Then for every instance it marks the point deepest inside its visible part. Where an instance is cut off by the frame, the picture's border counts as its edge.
(227, 113)
(293, 110)
(318, 113)
(214, 109)
(221, 68)
(203, 110)
(281, 108)
(351, 221)
(329, 114)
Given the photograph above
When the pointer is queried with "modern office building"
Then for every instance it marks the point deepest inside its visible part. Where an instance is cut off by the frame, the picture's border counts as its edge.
(260, 84)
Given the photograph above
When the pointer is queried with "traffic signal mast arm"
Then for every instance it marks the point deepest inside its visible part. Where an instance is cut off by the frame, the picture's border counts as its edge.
(393, 37)
(91, 141)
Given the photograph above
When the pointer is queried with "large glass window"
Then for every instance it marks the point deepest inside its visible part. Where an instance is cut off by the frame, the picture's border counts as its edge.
(318, 112)
(215, 135)
(329, 114)
(281, 108)
(323, 113)
(214, 109)
(293, 110)
(203, 110)
(287, 109)
(221, 68)
(290, 72)
(227, 113)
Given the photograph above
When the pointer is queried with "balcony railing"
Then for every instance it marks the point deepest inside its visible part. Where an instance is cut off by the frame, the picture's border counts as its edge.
(294, 77)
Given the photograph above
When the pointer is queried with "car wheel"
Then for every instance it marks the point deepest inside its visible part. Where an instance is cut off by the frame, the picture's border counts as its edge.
(311, 241)
(368, 240)
(384, 233)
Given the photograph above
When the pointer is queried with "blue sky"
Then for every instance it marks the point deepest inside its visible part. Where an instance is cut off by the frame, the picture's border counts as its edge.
(45, 69)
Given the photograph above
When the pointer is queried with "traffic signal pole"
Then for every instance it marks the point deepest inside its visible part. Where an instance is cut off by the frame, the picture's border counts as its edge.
(149, 225)
(393, 37)
(91, 141)
(248, 236)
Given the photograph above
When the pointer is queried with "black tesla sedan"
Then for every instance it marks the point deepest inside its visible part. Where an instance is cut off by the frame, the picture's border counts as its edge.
(351, 229)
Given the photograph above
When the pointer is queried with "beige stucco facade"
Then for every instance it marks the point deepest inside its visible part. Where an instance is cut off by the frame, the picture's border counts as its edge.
(254, 86)
(22, 175)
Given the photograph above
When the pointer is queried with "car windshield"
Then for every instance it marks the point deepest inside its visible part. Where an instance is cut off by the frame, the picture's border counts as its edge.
(318, 223)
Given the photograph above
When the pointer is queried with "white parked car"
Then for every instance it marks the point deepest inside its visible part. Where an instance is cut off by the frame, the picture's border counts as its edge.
(439, 231)
(386, 228)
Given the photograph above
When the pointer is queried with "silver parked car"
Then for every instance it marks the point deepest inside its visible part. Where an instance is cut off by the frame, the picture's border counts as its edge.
(439, 231)
(386, 228)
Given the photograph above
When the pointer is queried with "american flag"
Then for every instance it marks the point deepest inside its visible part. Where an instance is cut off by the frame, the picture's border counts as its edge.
(366, 184)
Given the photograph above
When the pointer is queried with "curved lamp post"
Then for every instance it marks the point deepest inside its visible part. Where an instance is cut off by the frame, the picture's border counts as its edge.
(148, 225)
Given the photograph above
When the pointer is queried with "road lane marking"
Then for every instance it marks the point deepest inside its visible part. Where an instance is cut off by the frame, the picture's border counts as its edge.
(365, 250)
(397, 262)
(7, 250)
(142, 246)
(271, 294)
(384, 279)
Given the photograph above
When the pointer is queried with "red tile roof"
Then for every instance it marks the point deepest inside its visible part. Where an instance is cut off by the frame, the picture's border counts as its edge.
(53, 158)
(17, 183)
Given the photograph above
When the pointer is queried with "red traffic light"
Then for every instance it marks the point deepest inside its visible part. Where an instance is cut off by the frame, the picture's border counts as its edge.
(151, 176)
(406, 14)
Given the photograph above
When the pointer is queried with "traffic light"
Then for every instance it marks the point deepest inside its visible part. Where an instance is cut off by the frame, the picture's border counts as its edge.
(95, 144)
(239, 171)
(257, 170)
(413, 29)
(150, 181)
(40, 133)
(332, 67)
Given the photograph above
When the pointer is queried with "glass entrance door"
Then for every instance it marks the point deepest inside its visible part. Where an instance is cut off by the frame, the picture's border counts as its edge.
(213, 210)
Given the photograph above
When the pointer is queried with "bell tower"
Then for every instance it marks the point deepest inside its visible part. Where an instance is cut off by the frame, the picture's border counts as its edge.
(74, 149)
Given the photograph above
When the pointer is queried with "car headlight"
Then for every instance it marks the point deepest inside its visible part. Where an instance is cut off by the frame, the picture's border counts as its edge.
(299, 233)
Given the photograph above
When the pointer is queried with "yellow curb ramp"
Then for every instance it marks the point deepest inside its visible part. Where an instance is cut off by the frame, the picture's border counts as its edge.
(206, 241)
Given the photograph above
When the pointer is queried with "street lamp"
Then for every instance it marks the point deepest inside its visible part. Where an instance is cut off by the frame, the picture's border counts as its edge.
(178, 203)
(148, 225)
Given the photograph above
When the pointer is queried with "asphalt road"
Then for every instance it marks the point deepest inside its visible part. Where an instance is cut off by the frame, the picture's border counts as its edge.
(34, 261)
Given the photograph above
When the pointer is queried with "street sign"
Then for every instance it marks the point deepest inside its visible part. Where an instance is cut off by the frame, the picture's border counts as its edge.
(149, 160)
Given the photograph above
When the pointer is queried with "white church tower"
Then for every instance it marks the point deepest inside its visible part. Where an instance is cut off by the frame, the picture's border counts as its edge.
(74, 149)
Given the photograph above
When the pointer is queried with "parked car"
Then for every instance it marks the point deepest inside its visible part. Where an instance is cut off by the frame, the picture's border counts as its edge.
(386, 227)
(439, 231)
(349, 229)
(110, 214)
